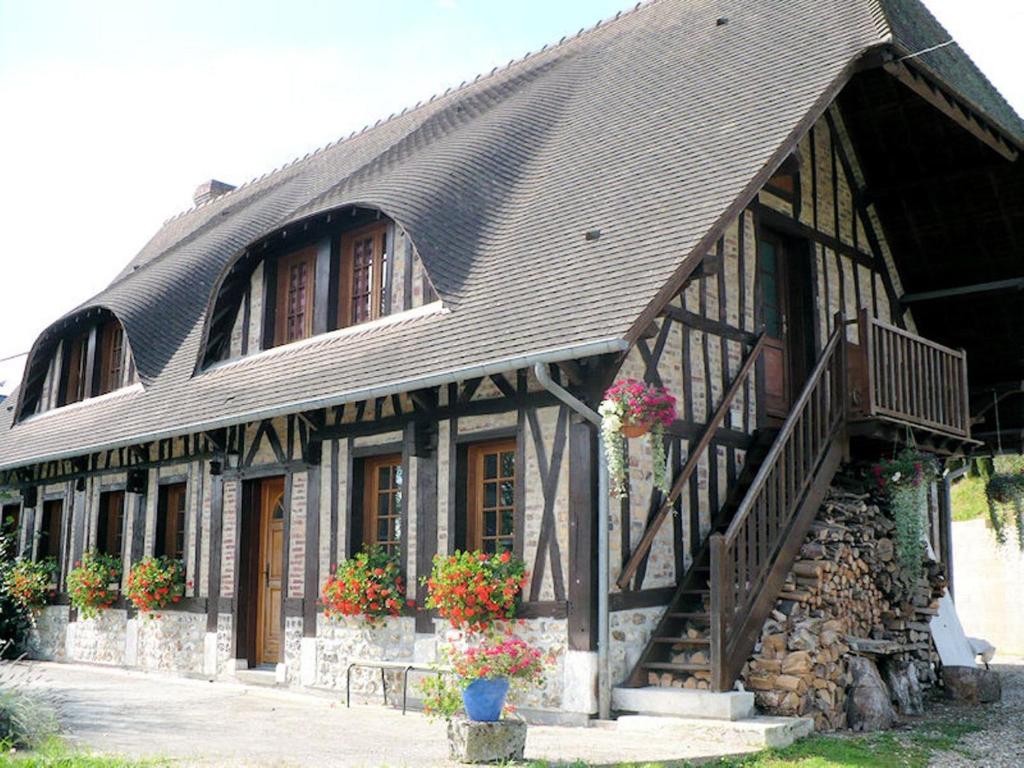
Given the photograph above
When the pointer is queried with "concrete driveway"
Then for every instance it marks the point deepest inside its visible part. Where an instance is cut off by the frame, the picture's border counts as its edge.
(202, 723)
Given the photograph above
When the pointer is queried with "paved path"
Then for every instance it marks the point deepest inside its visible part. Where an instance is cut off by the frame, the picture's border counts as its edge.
(200, 723)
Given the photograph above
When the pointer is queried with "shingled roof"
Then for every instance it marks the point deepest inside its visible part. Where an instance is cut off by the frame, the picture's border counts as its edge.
(653, 127)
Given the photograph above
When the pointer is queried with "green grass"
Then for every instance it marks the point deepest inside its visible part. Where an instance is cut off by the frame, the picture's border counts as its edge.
(969, 502)
(56, 753)
(894, 749)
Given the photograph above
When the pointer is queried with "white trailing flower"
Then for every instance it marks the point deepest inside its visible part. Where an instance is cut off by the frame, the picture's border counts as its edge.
(656, 440)
(612, 416)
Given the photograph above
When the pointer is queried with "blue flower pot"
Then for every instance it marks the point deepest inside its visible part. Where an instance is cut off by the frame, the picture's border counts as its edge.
(484, 699)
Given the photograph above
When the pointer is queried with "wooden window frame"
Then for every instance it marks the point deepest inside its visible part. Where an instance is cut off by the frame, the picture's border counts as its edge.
(285, 263)
(112, 357)
(371, 499)
(380, 263)
(47, 527)
(171, 527)
(110, 523)
(476, 454)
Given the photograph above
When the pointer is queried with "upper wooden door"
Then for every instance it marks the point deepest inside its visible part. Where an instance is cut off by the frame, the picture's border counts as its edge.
(270, 590)
(788, 314)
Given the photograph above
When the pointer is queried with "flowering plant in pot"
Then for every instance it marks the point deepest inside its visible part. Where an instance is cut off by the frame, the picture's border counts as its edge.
(481, 677)
(368, 585)
(474, 589)
(29, 581)
(904, 479)
(156, 582)
(89, 583)
(632, 408)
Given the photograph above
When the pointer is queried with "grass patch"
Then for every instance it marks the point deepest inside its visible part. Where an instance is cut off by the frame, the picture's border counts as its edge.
(56, 753)
(969, 501)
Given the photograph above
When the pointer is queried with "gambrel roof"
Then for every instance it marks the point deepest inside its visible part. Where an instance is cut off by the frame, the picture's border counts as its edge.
(654, 128)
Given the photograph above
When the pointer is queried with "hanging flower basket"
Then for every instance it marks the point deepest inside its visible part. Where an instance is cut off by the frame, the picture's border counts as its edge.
(631, 409)
(904, 479)
(633, 429)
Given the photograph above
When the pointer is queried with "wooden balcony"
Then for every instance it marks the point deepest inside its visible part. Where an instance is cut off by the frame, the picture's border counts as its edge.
(901, 381)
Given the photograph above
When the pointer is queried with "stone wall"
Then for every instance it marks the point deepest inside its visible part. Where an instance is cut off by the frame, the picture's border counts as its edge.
(48, 639)
(339, 640)
(170, 641)
(630, 631)
(101, 640)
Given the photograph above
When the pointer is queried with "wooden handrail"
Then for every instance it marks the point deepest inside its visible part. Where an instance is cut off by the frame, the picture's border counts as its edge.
(692, 459)
(783, 436)
(746, 557)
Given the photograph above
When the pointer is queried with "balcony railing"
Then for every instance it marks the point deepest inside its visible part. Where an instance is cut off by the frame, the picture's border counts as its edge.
(897, 375)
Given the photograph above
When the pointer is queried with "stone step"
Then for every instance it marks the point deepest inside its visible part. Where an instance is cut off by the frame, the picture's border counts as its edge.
(264, 677)
(684, 702)
(759, 732)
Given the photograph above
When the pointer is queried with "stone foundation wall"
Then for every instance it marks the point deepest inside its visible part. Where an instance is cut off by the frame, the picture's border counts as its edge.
(630, 631)
(170, 641)
(338, 640)
(101, 640)
(48, 639)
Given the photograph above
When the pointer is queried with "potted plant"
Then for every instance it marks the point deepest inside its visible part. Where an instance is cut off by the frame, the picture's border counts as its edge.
(632, 408)
(368, 585)
(904, 479)
(473, 589)
(1004, 492)
(155, 582)
(29, 581)
(92, 583)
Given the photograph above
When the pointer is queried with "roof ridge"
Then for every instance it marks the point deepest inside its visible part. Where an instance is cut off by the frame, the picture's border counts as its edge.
(565, 39)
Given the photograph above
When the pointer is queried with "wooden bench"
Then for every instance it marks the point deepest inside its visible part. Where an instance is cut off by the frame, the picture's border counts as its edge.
(404, 666)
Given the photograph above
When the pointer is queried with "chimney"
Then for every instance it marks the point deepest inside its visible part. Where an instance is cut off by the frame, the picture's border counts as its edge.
(209, 190)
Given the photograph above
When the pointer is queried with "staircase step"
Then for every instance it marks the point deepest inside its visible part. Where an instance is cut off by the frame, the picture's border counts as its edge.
(671, 666)
(683, 640)
(706, 617)
(759, 732)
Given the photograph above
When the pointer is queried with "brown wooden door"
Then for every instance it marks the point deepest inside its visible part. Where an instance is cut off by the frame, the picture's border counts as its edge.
(271, 566)
(788, 314)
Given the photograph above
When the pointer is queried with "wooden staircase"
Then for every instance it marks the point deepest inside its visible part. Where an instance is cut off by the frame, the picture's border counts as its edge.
(722, 600)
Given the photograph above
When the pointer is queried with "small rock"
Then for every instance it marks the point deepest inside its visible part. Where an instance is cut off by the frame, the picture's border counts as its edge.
(868, 707)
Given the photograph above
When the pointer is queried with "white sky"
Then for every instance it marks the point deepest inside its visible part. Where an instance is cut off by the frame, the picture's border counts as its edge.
(114, 110)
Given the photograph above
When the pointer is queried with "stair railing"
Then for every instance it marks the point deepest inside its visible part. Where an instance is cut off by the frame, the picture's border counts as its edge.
(692, 460)
(742, 557)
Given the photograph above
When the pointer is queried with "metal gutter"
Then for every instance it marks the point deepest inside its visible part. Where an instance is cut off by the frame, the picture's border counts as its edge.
(604, 688)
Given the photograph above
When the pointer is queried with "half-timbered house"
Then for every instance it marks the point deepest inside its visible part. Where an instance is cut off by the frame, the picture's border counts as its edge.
(804, 218)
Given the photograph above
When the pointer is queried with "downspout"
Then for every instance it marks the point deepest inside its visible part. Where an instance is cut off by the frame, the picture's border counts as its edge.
(604, 689)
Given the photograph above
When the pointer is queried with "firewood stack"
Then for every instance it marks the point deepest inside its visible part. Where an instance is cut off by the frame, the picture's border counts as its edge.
(845, 586)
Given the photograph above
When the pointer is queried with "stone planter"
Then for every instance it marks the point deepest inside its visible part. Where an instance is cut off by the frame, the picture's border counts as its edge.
(470, 741)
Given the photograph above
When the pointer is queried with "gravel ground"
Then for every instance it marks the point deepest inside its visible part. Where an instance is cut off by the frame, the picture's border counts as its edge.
(1001, 742)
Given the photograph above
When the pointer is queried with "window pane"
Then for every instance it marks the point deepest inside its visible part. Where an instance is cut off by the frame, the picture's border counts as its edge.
(384, 478)
(382, 530)
(508, 493)
(396, 498)
(508, 464)
(490, 523)
(490, 466)
(490, 495)
(507, 517)
(398, 476)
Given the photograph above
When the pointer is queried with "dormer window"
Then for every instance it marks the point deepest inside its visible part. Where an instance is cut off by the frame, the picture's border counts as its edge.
(112, 357)
(295, 292)
(364, 281)
(76, 369)
(338, 270)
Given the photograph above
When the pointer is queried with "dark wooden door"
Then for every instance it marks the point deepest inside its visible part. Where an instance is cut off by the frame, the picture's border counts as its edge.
(271, 566)
(787, 313)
